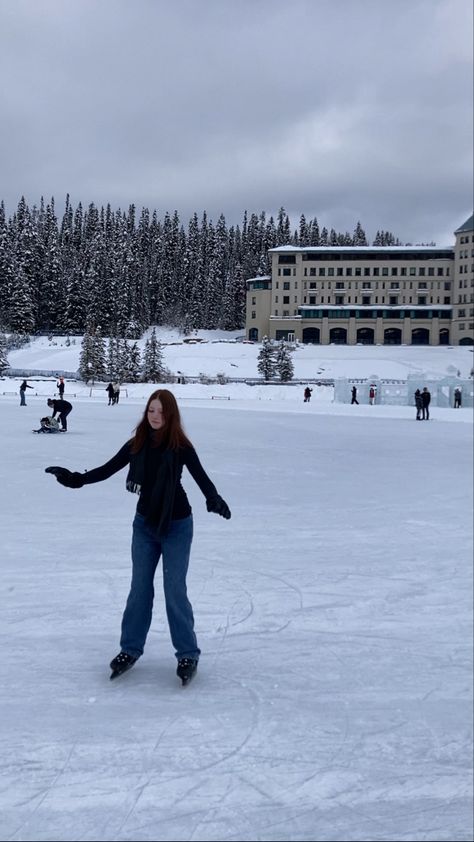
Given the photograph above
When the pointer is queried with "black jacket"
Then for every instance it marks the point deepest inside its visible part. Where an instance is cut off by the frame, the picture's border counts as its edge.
(176, 497)
(61, 406)
(426, 398)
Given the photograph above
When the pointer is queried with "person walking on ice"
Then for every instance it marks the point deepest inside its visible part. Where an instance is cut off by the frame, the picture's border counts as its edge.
(418, 404)
(354, 395)
(61, 408)
(24, 386)
(425, 404)
(307, 394)
(162, 527)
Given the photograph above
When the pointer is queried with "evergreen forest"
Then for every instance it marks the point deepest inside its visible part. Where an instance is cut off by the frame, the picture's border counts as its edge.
(120, 272)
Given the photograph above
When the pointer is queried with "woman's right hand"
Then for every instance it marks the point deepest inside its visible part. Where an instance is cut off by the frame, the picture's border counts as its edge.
(71, 479)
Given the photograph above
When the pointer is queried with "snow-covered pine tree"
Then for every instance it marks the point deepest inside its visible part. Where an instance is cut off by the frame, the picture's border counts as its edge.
(284, 363)
(86, 358)
(266, 359)
(3, 353)
(113, 358)
(153, 366)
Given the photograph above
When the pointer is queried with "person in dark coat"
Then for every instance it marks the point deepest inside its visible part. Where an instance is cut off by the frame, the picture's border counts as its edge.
(354, 395)
(418, 404)
(110, 390)
(61, 408)
(60, 387)
(163, 526)
(24, 386)
(426, 400)
(307, 394)
(457, 398)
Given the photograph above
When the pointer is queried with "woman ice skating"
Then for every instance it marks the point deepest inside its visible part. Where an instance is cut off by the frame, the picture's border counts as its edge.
(163, 526)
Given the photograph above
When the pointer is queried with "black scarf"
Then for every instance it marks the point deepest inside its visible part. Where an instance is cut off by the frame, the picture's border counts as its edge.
(160, 507)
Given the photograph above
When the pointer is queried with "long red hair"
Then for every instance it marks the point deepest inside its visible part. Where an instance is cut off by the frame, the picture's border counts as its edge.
(172, 434)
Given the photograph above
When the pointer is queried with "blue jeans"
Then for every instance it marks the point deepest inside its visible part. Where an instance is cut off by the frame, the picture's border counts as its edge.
(147, 548)
(22, 398)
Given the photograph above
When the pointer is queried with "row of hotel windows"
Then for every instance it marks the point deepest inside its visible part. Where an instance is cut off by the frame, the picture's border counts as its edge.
(375, 271)
(465, 239)
(376, 314)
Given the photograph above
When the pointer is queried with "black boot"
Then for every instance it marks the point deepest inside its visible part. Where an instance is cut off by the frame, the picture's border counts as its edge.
(186, 669)
(121, 663)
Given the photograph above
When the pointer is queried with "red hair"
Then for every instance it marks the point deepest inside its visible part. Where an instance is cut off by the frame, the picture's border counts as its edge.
(172, 433)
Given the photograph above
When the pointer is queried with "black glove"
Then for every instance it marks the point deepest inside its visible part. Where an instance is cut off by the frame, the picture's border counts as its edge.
(219, 506)
(71, 479)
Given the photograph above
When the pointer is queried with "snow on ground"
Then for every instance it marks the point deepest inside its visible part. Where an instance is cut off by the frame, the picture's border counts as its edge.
(334, 611)
(239, 359)
(333, 699)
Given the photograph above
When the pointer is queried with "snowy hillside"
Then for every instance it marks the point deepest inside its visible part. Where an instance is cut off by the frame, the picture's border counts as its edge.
(222, 352)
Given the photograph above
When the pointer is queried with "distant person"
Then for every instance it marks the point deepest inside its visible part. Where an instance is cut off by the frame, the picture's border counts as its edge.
(60, 387)
(418, 404)
(162, 527)
(48, 425)
(354, 395)
(426, 400)
(62, 409)
(372, 395)
(110, 390)
(116, 387)
(307, 394)
(457, 398)
(24, 386)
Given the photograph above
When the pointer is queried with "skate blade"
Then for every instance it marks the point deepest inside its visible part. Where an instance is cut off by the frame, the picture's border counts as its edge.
(116, 673)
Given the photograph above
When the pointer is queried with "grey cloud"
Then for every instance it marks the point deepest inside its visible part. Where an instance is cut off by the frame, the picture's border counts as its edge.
(350, 109)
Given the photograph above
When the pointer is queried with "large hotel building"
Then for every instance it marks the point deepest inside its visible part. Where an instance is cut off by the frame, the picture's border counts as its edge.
(389, 295)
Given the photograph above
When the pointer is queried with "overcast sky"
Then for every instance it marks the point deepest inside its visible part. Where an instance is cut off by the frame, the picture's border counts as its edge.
(340, 109)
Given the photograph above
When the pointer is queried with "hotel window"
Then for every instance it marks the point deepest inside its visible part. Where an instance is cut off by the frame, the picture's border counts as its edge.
(348, 271)
(312, 272)
(331, 272)
(367, 271)
(421, 271)
(286, 299)
(422, 285)
(276, 299)
(296, 299)
(340, 272)
(376, 271)
(393, 300)
(447, 299)
(394, 270)
(366, 285)
(286, 285)
(339, 299)
(254, 300)
(339, 285)
(358, 271)
(403, 271)
(431, 271)
(322, 272)
(254, 315)
(286, 273)
(305, 272)
(440, 271)
(394, 285)
(312, 285)
(385, 271)
(422, 299)
(366, 299)
(312, 299)
(412, 270)
(286, 312)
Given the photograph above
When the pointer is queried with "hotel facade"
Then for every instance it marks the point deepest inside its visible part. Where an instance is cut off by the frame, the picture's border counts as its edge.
(388, 295)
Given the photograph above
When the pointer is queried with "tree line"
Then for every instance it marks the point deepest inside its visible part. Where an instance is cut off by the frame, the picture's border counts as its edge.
(121, 272)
